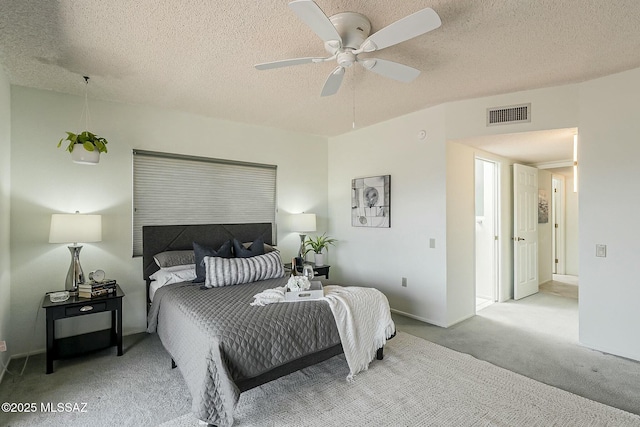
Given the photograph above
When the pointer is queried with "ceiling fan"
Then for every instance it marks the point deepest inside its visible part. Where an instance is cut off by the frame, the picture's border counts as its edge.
(346, 35)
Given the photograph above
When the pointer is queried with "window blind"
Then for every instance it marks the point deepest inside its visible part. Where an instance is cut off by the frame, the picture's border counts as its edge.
(171, 189)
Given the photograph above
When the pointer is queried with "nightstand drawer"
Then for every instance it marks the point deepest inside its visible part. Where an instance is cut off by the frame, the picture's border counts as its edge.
(96, 307)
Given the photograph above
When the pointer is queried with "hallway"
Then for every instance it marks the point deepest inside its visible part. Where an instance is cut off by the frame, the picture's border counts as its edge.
(562, 285)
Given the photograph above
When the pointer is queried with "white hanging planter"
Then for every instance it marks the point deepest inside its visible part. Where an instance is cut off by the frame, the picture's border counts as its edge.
(84, 157)
(78, 143)
(318, 259)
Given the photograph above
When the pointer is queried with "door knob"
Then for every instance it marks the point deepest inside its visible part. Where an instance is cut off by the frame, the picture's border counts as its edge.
(519, 239)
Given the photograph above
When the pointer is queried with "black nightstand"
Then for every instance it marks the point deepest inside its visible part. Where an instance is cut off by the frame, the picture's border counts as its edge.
(58, 348)
(317, 271)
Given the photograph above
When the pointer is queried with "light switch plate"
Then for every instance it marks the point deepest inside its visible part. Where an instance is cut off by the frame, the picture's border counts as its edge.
(601, 251)
(432, 243)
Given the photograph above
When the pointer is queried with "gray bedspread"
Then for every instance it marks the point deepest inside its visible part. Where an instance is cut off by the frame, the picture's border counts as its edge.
(216, 338)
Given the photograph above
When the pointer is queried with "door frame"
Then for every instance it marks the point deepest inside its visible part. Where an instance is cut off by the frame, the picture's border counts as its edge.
(559, 221)
(497, 197)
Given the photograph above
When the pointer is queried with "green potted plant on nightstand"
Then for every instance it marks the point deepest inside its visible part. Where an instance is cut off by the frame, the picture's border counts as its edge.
(317, 245)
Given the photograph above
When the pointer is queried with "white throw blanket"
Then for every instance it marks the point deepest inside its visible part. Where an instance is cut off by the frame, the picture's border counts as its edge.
(269, 296)
(362, 316)
(364, 322)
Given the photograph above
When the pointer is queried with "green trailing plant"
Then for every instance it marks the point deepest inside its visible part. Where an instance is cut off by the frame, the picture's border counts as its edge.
(318, 243)
(88, 140)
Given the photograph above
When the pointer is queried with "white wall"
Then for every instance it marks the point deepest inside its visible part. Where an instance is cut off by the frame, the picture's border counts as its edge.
(380, 257)
(45, 181)
(609, 204)
(603, 110)
(545, 230)
(551, 108)
(572, 249)
(5, 180)
(461, 273)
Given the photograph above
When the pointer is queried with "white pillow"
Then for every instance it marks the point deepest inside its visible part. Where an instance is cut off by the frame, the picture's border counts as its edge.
(179, 267)
(164, 277)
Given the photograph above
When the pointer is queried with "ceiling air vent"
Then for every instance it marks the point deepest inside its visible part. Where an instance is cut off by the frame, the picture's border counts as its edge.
(509, 115)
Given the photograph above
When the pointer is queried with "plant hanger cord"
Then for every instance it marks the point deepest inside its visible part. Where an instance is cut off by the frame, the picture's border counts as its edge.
(85, 110)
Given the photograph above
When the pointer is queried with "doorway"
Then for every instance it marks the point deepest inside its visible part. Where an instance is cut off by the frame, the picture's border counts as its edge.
(565, 266)
(487, 221)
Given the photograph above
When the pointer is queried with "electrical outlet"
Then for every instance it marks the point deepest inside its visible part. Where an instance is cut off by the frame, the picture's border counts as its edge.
(601, 251)
(3, 346)
(432, 243)
(404, 282)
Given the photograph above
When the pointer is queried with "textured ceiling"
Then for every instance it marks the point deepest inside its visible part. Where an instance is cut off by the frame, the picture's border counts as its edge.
(198, 55)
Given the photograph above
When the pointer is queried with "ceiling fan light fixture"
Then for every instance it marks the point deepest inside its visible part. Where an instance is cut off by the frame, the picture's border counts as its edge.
(346, 58)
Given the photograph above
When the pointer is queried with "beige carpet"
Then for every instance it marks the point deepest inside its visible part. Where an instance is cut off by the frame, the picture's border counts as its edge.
(417, 384)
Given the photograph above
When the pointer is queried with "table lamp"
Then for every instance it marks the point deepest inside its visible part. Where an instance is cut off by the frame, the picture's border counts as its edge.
(303, 223)
(74, 228)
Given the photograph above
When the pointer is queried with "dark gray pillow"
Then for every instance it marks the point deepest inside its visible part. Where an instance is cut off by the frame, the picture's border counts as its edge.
(267, 248)
(172, 258)
(256, 248)
(201, 251)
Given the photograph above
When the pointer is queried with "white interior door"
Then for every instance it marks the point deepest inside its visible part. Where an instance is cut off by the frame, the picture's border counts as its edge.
(525, 231)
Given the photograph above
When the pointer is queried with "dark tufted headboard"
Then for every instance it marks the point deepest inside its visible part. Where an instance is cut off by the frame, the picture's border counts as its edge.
(160, 238)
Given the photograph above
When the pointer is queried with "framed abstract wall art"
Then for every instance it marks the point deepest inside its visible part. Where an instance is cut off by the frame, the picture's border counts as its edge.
(371, 202)
(543, 207)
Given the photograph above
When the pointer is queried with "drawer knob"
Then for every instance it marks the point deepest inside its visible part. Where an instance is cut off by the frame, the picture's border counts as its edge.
(86, 308)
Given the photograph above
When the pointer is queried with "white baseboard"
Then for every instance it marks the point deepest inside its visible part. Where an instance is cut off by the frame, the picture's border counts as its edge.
(422, 319)
(462, 319)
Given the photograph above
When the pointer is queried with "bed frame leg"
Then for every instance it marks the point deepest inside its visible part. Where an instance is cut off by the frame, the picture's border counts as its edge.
(174, 366)
(380, 353)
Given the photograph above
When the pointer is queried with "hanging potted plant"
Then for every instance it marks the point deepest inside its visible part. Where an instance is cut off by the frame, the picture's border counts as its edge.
(85, 147)
(317, 245)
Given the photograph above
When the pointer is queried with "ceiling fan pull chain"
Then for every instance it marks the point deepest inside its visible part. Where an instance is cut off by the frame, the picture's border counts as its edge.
(353, 85)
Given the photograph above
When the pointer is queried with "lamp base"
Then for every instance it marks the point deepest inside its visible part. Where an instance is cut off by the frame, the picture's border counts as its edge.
(301, 250)
(75, 276)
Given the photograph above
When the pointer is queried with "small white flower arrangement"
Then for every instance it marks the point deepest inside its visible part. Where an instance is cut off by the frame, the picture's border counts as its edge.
(298, 283)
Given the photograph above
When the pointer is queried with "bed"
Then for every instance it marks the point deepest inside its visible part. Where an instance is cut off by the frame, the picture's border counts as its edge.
(221, 344)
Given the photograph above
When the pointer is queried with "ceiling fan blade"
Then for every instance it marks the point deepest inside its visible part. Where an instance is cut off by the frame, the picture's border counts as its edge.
(393, 70)
(311, 14)
(287, 63)
(333, 82)
(404, 29)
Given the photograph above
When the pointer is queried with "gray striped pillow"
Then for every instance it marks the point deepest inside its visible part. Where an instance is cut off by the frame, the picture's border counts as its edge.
(234, 271)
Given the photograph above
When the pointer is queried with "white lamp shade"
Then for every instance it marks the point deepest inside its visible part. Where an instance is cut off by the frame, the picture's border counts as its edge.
(303, 223)
(74, 228)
